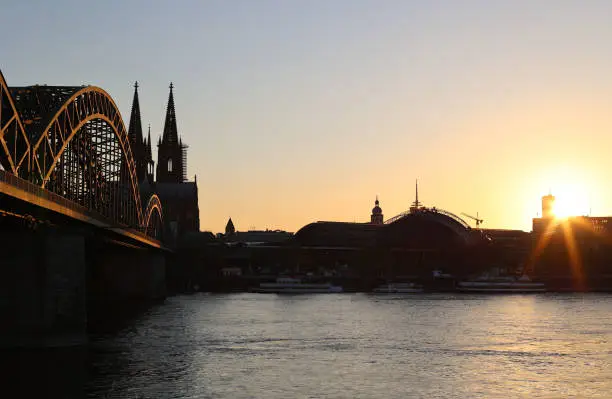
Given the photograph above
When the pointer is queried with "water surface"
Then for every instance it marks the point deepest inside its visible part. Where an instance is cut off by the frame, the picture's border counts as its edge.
(360, 346)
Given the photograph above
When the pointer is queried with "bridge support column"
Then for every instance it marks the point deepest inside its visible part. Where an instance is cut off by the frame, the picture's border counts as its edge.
(124, 276)
(42, 289)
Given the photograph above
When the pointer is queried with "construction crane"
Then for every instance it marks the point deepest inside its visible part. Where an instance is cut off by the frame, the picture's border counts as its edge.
(477, 219)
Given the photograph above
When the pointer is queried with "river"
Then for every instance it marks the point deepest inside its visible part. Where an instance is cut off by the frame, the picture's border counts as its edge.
(359, 346)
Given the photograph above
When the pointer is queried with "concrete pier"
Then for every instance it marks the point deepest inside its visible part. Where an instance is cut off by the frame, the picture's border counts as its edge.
(124, 274)
(54, 280)
(43, 289)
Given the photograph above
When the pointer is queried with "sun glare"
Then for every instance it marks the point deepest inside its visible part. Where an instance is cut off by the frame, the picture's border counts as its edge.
(570, 201)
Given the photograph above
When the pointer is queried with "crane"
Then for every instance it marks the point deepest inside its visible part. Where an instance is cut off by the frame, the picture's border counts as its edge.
(477, 219)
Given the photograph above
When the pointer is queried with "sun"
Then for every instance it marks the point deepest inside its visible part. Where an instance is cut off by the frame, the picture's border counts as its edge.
(570, 201)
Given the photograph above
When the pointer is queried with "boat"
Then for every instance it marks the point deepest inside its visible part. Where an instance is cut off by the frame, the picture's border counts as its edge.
(439, 274)
(293, 285)
(501, 284)
(398, 288)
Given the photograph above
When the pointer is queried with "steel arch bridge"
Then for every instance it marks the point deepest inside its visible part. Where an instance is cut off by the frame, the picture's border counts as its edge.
(15, 146)
(153, 218)
(71, 141)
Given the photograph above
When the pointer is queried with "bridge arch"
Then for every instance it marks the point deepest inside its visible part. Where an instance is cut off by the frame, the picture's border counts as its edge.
(81, 149)
(14, 143)
(153, 223)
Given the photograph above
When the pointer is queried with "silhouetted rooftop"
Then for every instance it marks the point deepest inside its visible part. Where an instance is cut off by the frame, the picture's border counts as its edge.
(338, 234)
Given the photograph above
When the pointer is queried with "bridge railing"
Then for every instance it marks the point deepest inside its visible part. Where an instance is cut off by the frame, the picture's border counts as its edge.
(40, 192)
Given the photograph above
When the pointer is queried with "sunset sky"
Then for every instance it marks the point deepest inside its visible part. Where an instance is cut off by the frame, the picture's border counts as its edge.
(297, 111)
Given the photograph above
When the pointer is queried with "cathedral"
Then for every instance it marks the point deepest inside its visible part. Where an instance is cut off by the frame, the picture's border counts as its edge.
(178, 196)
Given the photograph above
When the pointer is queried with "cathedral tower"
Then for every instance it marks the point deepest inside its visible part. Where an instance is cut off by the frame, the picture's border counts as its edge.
(137, 143)
(171, 153)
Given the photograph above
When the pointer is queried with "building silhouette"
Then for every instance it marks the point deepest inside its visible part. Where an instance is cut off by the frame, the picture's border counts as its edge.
(414, 243)
(141, 149)
(377, 215)
(571, 253)
(416, 205)
(548, 206)
(230, 230)
(171, 153)
(178, 196)
(252, 236)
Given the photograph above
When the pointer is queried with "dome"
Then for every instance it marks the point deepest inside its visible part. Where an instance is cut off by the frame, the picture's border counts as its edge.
(376, 210)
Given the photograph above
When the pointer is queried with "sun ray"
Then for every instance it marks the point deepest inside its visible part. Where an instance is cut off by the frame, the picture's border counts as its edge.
(573, 253)
(542, 243)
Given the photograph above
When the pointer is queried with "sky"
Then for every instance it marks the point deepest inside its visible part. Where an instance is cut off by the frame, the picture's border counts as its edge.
(303, 110)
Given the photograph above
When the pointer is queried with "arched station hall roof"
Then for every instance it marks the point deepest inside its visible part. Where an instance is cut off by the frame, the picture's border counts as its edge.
(426, 228)
(337, 234)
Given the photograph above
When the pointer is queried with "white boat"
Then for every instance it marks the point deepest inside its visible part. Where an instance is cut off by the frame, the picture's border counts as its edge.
(437, 274)
(398, 288)
(291, 285)
(504, 284)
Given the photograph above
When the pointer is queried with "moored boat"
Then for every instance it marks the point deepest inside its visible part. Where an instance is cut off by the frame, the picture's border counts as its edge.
(292, 285)
(503, 284)
(398, 288)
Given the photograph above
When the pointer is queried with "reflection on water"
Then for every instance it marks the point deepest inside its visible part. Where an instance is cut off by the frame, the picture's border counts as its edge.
(359, 346)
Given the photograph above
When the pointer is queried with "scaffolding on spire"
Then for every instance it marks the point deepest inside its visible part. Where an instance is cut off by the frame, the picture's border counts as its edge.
(184, 148)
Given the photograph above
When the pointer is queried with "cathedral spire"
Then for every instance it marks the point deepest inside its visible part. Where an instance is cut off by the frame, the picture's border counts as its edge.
(170, 134)
(135, 127)
(137, 144)
(171, 154)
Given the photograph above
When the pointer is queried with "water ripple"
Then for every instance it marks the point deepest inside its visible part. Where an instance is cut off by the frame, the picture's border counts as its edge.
(361, 346)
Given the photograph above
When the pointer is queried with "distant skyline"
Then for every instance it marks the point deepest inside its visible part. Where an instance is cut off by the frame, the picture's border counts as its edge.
(298, 111)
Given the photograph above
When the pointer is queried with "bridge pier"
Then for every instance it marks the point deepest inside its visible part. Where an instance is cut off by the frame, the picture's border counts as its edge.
(122, 279)
(56, 283)
(43, 288)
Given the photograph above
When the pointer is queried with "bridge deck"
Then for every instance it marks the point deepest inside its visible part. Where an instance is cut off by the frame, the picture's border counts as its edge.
(23, 190)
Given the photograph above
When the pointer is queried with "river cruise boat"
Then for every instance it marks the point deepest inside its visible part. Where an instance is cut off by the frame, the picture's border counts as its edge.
(502, 284)
(398, 288)
(292, 285)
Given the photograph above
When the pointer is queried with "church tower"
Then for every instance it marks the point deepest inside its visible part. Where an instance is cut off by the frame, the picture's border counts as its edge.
(137, 143)
(377, 215)
(171, 153)
(230, 230)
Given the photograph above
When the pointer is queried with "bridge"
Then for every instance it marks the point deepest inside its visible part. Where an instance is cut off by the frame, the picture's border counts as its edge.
(66, 149)
(74, 227)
